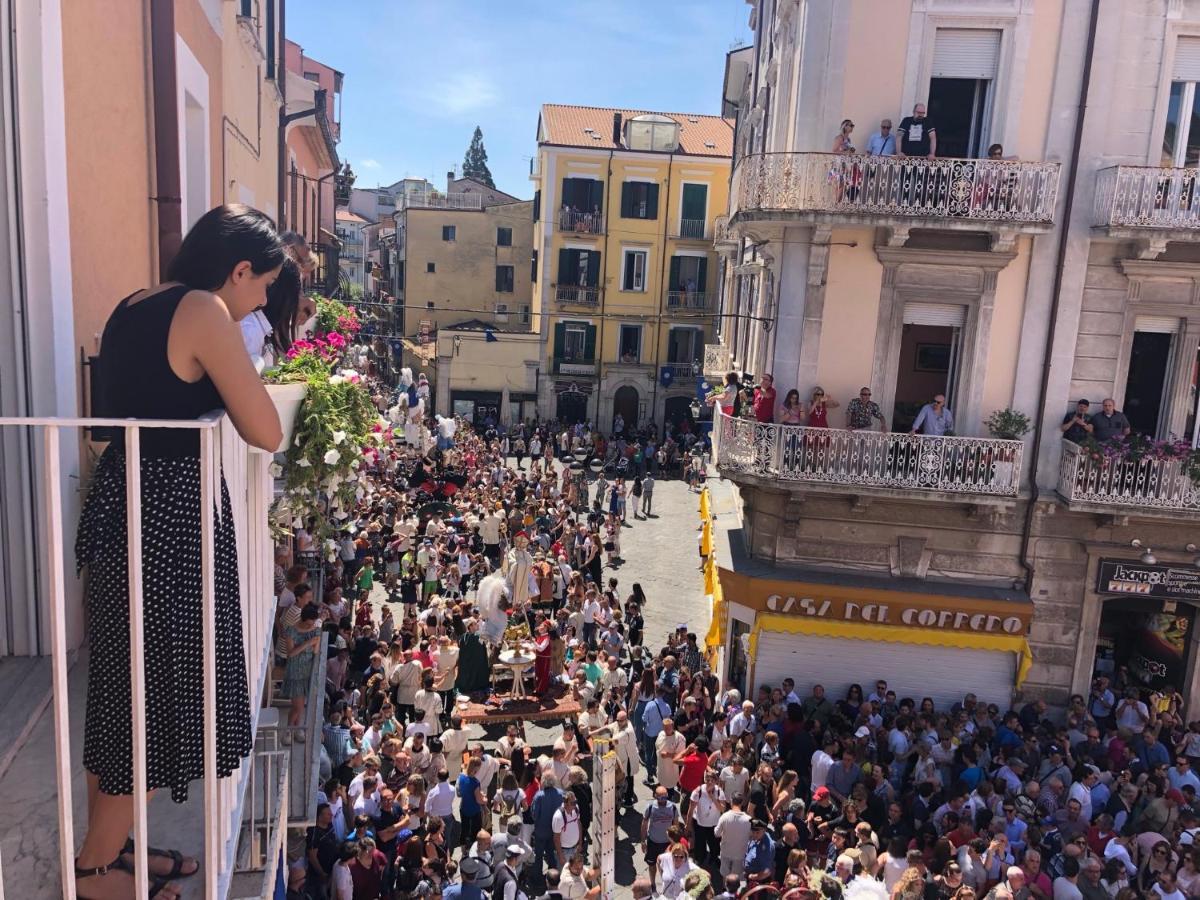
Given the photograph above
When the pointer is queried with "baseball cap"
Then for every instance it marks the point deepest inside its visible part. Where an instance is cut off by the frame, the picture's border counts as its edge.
(863, 731)
(513, 850)
(821, 794)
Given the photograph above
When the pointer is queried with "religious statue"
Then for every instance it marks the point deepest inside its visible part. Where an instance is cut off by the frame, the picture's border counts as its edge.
(493, 608)
(518, 564)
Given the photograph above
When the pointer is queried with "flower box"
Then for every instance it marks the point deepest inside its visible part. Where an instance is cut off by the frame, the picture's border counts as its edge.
(287, 399)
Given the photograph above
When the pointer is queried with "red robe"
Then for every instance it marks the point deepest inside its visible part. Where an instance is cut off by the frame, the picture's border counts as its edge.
(541, 665)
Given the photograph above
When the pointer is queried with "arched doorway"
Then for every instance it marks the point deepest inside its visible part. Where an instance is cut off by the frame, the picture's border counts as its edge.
(625, 405)
(572, 407)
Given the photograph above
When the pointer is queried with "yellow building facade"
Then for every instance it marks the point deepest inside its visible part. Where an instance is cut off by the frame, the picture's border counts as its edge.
(626, 293)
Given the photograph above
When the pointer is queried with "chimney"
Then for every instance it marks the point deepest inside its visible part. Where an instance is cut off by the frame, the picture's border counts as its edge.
(617, 128)
(449, 181)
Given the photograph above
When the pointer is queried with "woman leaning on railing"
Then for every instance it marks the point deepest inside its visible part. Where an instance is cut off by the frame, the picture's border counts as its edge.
(170, 352)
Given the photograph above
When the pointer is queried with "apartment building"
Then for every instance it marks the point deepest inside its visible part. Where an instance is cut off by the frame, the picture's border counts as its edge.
(1062, 267)
(122, 124)
(352, 232)
(462, 255)
(624, 267)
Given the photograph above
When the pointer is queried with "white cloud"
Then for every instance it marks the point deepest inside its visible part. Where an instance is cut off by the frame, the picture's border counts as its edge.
(369, 163)
(463, 92)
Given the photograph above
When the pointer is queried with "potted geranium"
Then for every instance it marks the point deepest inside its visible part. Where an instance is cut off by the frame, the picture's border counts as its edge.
(1005, 424)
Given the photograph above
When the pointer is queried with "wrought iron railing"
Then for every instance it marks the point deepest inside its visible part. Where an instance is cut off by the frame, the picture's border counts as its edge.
(438, 200)
(1147, 197)
(693, 229)
(570, 293)
(684, 371)
(953, 465)
(718, 359)
(688, 300)
(1110, 482)
(579, 222)
(980, 189)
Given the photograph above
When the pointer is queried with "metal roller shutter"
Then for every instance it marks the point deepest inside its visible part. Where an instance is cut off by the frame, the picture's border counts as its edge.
(1157, 324)
(966, 53)
(935, 314)
(911, 670)
(1187, 60)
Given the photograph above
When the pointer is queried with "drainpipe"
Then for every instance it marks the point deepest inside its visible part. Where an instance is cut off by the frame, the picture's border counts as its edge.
(1051, 332)
(603, 289)
(663, 274)
(168, 195)
(281, 82)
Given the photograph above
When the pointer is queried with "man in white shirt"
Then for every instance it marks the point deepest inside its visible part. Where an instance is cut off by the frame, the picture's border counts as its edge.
(569, 744)
(734, 778)
(614, 678)
(625, 745)
(1082, 791)
(733, 831)
(1132, 714)
(454, 742)
(1167, 887)
(439, 801)
(744, 720)
(705, 808)
(879, 695)
(488, 767)
(370, 770)
(567, 830)
(822, 762)
(367, 802)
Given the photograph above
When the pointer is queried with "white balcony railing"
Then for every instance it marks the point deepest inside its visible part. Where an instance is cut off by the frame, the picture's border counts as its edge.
(582, 295)
(251, 488)
(579, 222)
(438, 200)
(1158, 484)
(973, 189)
(697, 300)
(953, 465)
(1147, 197)
(718, 360)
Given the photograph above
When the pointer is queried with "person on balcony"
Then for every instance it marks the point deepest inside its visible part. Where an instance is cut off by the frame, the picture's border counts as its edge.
(934, 419)
(882, 142)
(764, 400)
(170, 352)
(727, 397)
(862, 411)
(792, 411)
(918, 136)
(842, 142)
(1110, 422)
(1076, 426)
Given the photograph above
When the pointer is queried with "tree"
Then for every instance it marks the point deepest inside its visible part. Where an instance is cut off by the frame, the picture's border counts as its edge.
(475, 162)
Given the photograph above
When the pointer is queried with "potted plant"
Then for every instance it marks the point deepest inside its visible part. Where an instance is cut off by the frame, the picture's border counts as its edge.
(1005, 424)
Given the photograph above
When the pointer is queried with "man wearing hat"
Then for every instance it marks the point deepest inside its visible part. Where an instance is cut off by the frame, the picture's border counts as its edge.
(1076, 425)
(510, 837)
(470, 870)
(505, 885)
(760, 854)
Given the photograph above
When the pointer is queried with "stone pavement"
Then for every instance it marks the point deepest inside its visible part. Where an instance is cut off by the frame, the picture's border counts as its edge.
(661, 553)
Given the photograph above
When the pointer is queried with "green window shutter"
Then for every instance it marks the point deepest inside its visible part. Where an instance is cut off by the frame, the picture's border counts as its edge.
(533, 266)
(627, 200)
(652, 201)
(673, 284)
(596, 196)
(537, 205)
(593, 268)
(560, 339)
(703, 272)
(589, 343)
(627, 282)
(566, 273)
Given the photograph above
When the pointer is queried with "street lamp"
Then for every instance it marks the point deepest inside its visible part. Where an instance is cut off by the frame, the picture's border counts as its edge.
(695, 408)
(1147, 558)
(695, 368)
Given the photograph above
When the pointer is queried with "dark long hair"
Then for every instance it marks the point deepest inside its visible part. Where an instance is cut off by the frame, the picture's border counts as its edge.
(283, 304)
(221, 238)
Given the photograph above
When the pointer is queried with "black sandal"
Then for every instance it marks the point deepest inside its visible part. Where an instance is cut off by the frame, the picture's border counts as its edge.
(156, 885)
(177, 860)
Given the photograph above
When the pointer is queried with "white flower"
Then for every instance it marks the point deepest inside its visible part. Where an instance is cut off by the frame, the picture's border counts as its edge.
(331, 457)
(340, 514)
(333, 484)
(336, 379)
(297, 522)
(339, 436)
(275, 470)
(303, 462)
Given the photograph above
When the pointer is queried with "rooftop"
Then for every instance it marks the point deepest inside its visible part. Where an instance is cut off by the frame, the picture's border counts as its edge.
(344, 215)
(592, 126)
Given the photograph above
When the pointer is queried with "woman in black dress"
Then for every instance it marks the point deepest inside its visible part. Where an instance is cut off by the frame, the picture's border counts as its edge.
(170, 352)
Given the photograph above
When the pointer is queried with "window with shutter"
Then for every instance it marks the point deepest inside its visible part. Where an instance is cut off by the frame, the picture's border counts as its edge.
(592, 276)
(589, 344)
(674, 282)
(537, 205)
(503, 237)
(633, 273)
(568, 266)
(504, 279)
(560, 339)
(533, 266)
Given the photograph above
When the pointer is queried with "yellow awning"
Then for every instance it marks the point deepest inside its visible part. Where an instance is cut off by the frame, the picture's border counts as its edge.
(890, 633)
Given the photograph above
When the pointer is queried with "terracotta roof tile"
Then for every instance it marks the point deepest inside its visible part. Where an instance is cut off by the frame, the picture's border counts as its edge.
(565, 125)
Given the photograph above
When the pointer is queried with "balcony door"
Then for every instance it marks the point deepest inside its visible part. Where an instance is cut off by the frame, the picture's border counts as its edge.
(685, 345)
(962, 88)
(1181, 136)
(693, 212)
(930, 356)
(688, 273)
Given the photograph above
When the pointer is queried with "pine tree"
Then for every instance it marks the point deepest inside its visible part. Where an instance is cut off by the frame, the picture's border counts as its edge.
(475, 162)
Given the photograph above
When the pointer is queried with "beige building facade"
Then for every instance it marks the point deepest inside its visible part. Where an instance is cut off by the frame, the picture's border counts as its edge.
(1059, 268)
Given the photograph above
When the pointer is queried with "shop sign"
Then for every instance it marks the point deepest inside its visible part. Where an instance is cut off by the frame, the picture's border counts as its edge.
(577, 368)
(873, 606)
(1118, 576)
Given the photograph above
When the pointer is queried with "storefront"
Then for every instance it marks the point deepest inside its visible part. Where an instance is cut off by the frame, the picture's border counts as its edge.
(1146, 628)
(480, 408)
(844, 632)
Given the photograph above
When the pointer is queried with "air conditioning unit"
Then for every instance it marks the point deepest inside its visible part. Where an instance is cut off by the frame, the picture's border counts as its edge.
(501, 312)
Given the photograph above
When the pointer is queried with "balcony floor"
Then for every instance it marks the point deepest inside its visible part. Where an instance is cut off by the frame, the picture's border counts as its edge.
(29, 841)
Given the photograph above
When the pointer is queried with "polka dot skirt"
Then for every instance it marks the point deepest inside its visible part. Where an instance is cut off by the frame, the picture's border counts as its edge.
(173, 629)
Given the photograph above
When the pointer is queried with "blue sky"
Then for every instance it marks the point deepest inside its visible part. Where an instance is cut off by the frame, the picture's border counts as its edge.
(421, 75)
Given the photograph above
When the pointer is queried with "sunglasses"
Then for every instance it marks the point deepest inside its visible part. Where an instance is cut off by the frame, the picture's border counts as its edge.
(865, 394)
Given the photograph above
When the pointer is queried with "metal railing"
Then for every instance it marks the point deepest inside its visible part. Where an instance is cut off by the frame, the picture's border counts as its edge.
(581, 222)
(693, 229)
(570, 293)
(718, 360)
(684, 371)
(689, 300)
(1112, 482)
(954, 465)
(979, 189)
(438, 200)
(1147, 197)
(246, 474)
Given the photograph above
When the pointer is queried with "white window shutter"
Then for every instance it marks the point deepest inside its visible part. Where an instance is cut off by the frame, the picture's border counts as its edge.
(935, 314)
(966, 53)
(1187, 59)
(1157, 324)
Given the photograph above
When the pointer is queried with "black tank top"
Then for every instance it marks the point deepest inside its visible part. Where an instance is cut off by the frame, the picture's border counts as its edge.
(136, 379)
